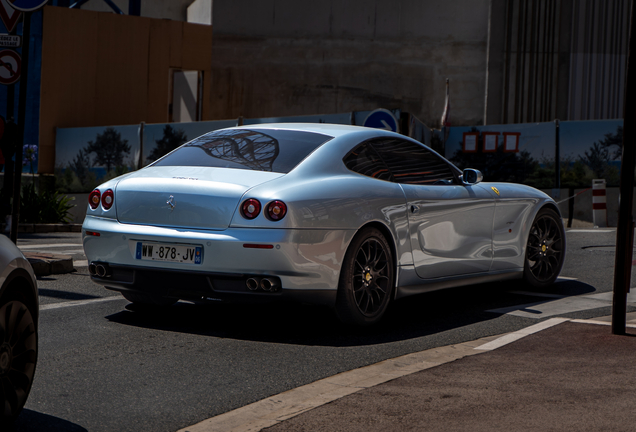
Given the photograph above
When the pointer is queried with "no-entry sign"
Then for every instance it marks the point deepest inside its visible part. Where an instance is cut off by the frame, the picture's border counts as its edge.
(27, 5)
(10, 65)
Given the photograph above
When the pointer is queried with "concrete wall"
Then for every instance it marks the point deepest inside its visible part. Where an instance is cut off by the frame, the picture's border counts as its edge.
(285, 57)
(116, 73)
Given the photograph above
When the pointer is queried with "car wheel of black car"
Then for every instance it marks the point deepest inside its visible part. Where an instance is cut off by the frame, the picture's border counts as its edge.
(545, 249)
(18, 356)
(147, 300)
(366, 279)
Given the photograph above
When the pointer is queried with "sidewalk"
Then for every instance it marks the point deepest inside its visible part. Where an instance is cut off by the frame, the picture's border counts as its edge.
(556, 375)
(45, 264)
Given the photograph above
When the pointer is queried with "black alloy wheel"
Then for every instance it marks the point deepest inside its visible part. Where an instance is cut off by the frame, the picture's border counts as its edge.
(366, 279)
(18, 357)
(545, 251)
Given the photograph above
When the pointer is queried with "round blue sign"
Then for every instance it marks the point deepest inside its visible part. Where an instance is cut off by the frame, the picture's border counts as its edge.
(382, 119)
(27, 5)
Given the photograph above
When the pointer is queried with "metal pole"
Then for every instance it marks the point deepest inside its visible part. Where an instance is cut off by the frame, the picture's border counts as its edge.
(557, 160)
(625, 229)
(22, 101)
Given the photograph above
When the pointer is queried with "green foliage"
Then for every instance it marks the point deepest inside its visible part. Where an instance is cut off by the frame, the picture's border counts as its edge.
(109, 149)
(44, 207)
(67, 181)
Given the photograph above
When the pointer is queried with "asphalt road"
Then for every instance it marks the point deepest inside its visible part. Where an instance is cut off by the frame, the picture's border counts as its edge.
(103, 367)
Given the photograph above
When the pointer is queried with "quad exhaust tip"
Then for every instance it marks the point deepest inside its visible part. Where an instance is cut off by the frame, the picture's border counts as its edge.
(252, 284)
(99, 269)
(268, 284)
(264, 284)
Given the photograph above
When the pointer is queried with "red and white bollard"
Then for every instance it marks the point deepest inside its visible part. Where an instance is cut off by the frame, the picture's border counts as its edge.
(599, 203)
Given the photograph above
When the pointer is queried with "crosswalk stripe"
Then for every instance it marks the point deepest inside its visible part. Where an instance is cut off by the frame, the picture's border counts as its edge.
(46, 246)
(79, 303)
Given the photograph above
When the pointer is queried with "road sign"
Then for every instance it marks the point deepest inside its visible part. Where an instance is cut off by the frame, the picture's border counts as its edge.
(10, 65)
(382, 119)
(27, 5)
(10, 41)
(9, 16)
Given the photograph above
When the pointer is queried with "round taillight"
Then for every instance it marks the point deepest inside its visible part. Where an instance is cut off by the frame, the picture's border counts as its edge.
(276, 210)
(94, 198)
(108, 197)
(251, 208)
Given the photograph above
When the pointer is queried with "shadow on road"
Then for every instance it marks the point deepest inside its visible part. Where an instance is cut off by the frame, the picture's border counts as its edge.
(408, 318)
(33, 421)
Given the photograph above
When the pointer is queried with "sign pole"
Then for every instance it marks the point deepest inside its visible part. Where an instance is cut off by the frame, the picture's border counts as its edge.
(625, 228)
(22, 102)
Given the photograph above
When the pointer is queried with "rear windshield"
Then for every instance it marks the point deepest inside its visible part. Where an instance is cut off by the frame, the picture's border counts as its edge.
(276, 150)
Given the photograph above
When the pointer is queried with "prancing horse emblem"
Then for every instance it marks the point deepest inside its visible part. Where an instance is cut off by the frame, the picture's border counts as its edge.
(170, 202)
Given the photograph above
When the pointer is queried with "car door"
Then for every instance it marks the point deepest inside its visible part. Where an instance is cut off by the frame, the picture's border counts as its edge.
(450, 224)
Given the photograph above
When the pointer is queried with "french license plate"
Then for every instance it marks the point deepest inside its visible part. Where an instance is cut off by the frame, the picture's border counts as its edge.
(169, 252)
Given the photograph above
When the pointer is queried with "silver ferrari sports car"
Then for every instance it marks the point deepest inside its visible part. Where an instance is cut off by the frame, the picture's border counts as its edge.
(345, 216)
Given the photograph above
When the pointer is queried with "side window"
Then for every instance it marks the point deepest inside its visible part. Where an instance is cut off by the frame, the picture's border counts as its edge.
(411, 163)
(364, 160)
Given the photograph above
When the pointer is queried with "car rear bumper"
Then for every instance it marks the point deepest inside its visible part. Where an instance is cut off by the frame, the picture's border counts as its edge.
(306, 262)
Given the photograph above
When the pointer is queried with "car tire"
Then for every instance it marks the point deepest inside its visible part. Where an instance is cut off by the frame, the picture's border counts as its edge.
(148, 300)
(366, 279)
(545, 250)
(18, 357)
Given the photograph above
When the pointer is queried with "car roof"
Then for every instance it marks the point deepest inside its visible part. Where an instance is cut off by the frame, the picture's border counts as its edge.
(334, 130)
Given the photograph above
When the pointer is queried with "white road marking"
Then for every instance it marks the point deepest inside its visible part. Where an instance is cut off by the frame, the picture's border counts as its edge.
(590, 230)
(561, 306)
(79, 303)
(605, 323)
(46, 246)
(71, 252)
(80, 263)
(511, 337)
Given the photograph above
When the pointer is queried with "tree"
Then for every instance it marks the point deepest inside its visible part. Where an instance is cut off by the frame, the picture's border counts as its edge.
(612, 140)
(597, 159)
(171, 140)
(80, 165)
(109, 148)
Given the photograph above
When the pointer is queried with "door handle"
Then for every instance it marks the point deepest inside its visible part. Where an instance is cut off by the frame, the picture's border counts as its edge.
(415, 209)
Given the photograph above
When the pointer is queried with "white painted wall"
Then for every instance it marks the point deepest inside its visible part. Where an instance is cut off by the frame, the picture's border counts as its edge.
(200, 12)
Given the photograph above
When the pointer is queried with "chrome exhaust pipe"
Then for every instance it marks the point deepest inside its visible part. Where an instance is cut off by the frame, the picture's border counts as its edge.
(92, 269)
(100, 270)
(252, 284)
(269, 284)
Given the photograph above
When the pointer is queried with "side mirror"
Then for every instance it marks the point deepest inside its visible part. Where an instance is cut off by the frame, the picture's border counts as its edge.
(471, 176)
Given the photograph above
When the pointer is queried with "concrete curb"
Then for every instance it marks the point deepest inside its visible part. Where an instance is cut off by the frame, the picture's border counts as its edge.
(278, 408)
(45, 228)
(45, 264)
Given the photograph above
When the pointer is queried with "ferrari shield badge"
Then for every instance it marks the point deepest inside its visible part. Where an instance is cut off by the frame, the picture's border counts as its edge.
(495, 190)
(170, 202)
